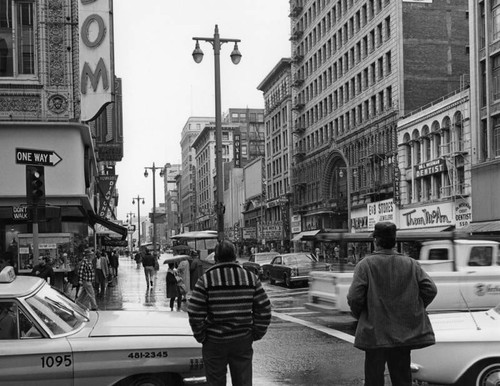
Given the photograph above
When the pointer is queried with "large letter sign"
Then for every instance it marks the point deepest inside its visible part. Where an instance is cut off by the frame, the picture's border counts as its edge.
(96, 77)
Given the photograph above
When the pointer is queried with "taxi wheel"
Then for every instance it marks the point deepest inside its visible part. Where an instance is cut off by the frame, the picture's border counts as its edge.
(146, 380)
(483, 373)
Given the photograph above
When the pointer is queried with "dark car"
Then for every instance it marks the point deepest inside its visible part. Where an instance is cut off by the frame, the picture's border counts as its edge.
(257, 260)
(292, 267)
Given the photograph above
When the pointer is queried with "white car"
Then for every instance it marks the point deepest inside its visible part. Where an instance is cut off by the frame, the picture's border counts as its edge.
(467, 350)
(47, 339)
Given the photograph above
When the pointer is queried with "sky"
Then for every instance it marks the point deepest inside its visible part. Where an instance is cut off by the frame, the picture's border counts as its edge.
(163, 86)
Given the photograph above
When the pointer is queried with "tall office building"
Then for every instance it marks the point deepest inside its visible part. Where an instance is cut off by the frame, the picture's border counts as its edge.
(485, 113)
(357, 66)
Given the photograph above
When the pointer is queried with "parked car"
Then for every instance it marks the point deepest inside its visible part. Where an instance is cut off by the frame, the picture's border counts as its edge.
(291, 268)
(257, 260)
(467, 350)
(47, 339)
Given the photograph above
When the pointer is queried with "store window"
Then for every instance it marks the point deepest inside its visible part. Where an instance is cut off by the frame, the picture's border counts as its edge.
(495, 69)
(495, 19)
(17, 38)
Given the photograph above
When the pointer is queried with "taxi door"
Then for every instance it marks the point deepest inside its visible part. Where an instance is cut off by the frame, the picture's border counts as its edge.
(28, 358)
(480, 280)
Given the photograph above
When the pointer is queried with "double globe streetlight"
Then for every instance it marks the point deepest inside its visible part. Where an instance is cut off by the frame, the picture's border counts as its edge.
(146, 174)
(217, 42)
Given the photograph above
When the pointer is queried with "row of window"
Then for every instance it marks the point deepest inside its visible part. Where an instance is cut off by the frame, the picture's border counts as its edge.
(17, 37)
(358, 52)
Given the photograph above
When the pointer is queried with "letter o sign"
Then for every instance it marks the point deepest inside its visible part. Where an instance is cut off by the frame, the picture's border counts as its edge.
(86, 29)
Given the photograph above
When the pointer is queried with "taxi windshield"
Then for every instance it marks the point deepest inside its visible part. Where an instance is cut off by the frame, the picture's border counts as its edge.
(56, 311)
(497, 309)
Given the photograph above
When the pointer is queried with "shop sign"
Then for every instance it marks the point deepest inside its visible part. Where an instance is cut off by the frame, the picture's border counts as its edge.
(463, 213)
(237, 150)
(381, 211)
(96, 77)
(431, 167)
(296, 223)
(249, 233)
(427, 216)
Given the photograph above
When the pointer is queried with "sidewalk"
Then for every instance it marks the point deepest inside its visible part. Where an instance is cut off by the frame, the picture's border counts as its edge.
(130, 290)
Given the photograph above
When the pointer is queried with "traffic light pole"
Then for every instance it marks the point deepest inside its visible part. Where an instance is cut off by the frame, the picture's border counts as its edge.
(36, 253)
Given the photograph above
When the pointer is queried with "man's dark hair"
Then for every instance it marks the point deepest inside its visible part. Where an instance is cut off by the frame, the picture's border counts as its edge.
(225, 251)
(386, 243)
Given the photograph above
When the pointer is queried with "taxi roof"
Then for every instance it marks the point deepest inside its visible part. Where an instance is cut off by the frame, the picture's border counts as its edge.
(21, 286)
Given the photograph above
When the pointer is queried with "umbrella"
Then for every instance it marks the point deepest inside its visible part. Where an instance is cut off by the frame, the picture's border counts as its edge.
(175, 259)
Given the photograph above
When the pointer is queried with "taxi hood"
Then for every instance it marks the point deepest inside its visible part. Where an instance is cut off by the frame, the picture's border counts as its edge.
(140, 323)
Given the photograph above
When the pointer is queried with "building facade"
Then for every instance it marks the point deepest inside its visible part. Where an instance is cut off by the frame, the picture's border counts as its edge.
(56, 87)
(276, 88)
(485, 114)
(187, 196)
(357, 66)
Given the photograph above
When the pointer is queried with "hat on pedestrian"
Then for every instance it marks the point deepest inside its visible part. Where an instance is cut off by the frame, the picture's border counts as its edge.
(385, 230)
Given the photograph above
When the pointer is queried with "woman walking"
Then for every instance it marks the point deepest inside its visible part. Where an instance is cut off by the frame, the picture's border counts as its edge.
(172, 288)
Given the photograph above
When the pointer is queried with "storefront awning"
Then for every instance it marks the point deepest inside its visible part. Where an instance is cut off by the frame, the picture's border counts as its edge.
(95, 219)
(305, 235)
(481, 227)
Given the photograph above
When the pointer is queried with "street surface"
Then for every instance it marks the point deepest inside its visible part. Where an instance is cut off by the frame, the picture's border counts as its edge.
(302, 347)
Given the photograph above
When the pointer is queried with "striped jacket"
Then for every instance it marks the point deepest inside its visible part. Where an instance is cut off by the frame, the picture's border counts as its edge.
(227, 303)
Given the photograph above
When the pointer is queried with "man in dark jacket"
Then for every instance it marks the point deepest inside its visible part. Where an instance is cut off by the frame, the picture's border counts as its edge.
(228, 311)
(44, 271)
(388, 296)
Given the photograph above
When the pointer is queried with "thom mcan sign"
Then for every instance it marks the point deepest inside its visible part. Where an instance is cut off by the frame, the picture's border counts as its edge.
(96, 83)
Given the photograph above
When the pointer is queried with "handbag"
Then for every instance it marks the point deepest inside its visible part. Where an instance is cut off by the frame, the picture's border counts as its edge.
(180, 285)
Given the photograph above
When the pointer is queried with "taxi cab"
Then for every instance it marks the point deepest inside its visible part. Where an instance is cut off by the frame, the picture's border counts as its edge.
(47, 339)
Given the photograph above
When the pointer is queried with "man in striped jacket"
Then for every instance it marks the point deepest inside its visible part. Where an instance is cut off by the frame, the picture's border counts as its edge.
(228, 311)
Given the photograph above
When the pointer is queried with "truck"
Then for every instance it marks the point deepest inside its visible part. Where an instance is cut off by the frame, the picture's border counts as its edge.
(465, 270)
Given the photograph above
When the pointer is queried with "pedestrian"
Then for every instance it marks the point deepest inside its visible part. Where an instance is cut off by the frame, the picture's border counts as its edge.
(172, 288)
(138, 258)
(114, 262)
(101, 267)
(184, 273)
(388, 296)
(86, 281)
(195, 270)
(148, 262)
(228, 310)
(44, 270)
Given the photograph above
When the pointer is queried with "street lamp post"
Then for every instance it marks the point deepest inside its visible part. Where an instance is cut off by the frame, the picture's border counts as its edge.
(217, 42)
(130, 215)
(153, 169)
(138, 217)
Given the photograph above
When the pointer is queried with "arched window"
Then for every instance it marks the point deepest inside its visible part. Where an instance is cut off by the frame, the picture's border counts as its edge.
(407, 148)
(426, 144)
(458, 131)
(416, 147)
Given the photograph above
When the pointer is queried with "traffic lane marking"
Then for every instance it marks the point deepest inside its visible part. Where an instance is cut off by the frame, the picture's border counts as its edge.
(329, 331)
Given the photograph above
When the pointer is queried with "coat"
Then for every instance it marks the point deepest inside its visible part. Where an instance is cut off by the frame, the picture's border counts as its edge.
(196, 270)
(172, 290)
(388, 296)
(183, 271)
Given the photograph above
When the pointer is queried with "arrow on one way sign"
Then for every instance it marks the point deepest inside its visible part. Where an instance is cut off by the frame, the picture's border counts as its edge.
(37, 157)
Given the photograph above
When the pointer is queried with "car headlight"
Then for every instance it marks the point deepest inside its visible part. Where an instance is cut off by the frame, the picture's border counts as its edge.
(293, 272)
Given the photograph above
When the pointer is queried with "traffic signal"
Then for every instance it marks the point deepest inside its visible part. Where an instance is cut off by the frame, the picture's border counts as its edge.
(35, 184)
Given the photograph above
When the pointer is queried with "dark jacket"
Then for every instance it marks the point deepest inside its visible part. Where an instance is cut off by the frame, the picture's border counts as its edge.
(388, 296)
(148, 260)
(44, 271)
(172, 290)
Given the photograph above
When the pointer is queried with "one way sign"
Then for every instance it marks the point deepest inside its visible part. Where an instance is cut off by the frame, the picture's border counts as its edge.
(37, 157)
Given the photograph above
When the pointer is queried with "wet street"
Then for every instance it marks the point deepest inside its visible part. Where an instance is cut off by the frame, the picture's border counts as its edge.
(299, 348)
